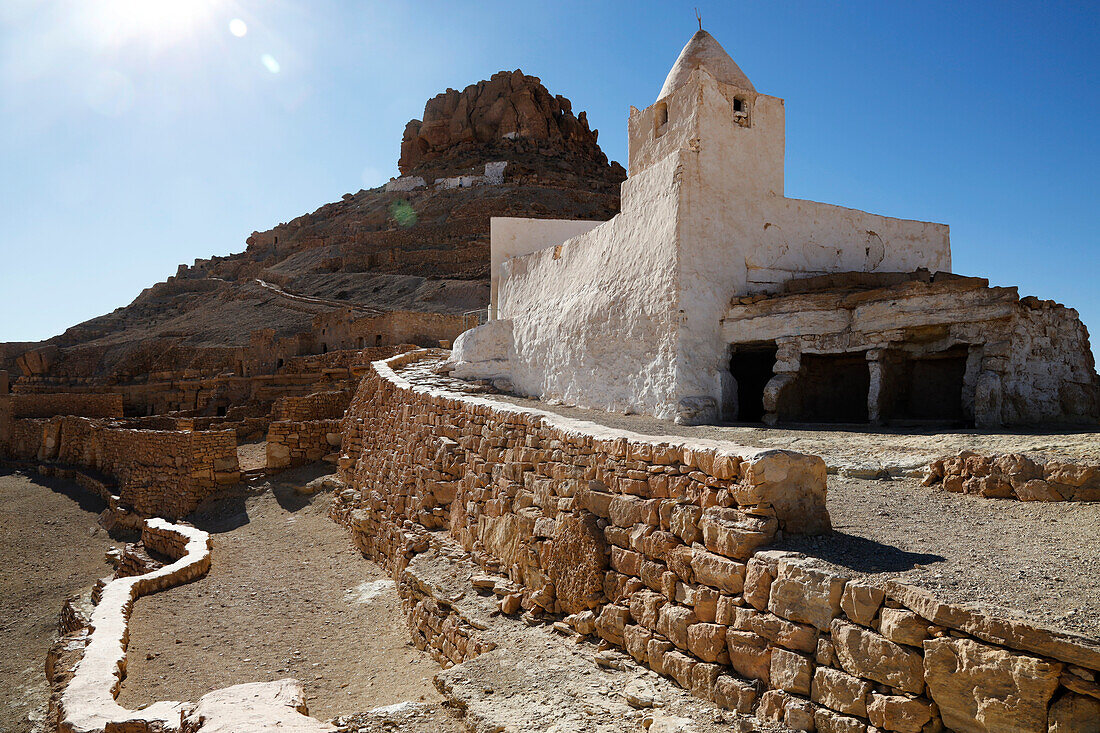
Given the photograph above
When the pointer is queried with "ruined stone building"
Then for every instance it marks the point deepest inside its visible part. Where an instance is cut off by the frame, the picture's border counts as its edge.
(714, 296)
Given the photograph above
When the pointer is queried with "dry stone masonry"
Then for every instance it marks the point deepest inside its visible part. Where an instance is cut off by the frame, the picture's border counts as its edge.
(1015, 476)
(157, 472)
(659, 547)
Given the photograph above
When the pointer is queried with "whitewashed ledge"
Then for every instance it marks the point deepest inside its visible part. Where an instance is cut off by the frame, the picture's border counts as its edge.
(88, 703)
(387, 370)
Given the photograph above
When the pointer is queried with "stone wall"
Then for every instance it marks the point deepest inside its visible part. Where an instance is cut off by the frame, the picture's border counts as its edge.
(66, 403)
(318, 406)
(158, 473)
(1015, 476)
(659, 546)
(293, 443)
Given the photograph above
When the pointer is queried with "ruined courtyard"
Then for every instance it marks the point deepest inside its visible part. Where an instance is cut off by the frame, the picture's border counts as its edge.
(456, 470)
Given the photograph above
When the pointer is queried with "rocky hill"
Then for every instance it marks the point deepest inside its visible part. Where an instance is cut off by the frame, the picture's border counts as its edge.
(501, 147)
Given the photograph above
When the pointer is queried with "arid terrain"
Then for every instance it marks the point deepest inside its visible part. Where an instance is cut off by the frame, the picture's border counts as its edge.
(283, 599)
(51, 548)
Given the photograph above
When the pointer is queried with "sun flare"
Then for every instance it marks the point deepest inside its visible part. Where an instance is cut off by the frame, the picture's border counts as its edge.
(158, 22)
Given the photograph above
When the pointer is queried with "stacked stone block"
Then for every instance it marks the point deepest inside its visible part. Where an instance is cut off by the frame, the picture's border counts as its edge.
(158, 473)
(1015, 476)
(294, 443)
(318, 406)
(66, 403)
(661, 548)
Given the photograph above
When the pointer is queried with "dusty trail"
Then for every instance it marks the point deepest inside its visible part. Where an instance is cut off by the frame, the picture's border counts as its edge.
(287, 596)
(50, 549)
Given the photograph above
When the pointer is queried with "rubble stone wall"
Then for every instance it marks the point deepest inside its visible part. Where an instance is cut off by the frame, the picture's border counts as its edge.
(1015, 476)
(65, 403)
(658, 546)
(294, 443)
(319, 406)
(158, 473)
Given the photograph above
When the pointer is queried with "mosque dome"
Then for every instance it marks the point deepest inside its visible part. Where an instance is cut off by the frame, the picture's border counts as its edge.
(704, 51)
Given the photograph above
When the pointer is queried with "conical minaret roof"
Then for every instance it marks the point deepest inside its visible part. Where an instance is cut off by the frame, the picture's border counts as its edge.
(704, 50)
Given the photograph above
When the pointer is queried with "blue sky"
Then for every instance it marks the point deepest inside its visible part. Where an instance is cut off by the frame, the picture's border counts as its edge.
(139, 134)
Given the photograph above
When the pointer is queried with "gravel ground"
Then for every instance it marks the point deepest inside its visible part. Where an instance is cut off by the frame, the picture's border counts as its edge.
(850, 446)
(1040, 560)
(287, 596)
(50, 549)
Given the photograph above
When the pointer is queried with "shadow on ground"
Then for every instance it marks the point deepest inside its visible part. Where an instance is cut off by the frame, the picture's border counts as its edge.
(228, 510)
(859, 553)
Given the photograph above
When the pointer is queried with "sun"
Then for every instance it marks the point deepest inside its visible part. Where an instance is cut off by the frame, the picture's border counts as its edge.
(156, 22)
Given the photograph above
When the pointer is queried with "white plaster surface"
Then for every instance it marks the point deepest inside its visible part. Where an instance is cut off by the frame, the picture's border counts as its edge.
(512, 236)
(88, 703)
(628, 317)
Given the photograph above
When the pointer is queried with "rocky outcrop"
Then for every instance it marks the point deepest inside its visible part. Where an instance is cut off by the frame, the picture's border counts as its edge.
(510, 116)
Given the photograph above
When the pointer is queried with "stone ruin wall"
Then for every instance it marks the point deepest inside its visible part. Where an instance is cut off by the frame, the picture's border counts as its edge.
(657, 547)
(317, 406)
(1015, 476)
(297, 442)
(158, 473)
(63, 403)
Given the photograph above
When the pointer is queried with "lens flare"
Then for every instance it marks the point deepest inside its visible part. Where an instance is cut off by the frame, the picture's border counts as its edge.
(238, 27)
(270, 63)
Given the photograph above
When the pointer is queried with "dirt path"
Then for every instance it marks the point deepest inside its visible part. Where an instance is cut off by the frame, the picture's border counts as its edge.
(288, 596)
(1038, 559)
(50, 549)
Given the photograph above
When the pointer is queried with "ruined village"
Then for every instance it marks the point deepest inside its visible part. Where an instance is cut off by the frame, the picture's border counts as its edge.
(522, 440)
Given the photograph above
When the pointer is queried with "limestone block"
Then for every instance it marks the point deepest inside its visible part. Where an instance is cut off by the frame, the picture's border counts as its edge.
(684, 522)
(899, 713)
(673, 622)
(861, 601)
(645, 608)
(708, 642)
(611, 622)
(827, 721)
(793, 485)
(1074, 713)
(866, 654)
(750, 654)
(806, 593)
(980, 689)
(796, 637)
(759, 574)
(577, 563)
(790, 672)
(734, 694)
(840, 691)
(734, 533)
(903, 627)
(716, 571)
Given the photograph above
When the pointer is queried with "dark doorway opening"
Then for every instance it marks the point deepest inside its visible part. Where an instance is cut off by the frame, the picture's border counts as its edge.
(751, 367)
(829, 388)
(925, 387)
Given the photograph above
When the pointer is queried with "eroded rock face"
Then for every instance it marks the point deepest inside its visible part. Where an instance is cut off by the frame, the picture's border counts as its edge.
(509, 115)
(980, 689)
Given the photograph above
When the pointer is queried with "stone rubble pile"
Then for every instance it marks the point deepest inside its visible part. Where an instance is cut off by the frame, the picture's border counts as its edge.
(659, 546)
(1014, 476)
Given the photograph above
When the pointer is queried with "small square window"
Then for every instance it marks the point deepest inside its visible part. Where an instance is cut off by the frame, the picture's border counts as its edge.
(738, 105)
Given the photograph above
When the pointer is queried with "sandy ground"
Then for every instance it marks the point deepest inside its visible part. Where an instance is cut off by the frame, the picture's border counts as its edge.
(50, 549)
(287, 596)
(1038, 559)
(252, 456)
